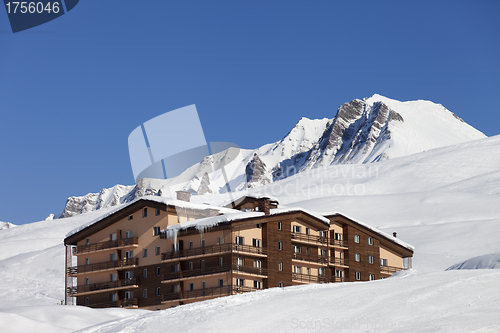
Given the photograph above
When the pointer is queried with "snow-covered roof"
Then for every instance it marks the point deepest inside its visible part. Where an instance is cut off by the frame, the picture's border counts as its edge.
(296, 209)
(391, 238)
(167, 201)
(252, 196)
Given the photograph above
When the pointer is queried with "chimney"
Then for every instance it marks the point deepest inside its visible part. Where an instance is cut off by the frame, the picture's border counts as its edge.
(183, 195)
(265, 206)
(394, 234)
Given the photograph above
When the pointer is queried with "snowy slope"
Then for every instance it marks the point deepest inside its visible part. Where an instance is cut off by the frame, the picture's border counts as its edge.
(445, 202)
(363, 131)
(487, 261)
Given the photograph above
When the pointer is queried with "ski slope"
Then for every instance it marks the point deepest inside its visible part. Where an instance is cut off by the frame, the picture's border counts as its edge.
(445, 202)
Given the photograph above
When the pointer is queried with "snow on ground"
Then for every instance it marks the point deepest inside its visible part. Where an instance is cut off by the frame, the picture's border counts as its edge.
(445, 202)
(487, 261)
(452, 301)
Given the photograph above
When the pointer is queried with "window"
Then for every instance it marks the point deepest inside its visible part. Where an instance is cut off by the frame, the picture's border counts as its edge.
(321, 271)
(280, 266)
(129, 294)
(157, 211)
(202, 263)
(371, 277)
(145, 212)
(338, 273)
(175, 247)
(281, 284)
(113, 236)
(297, 269)
(307, 231)
(190, 266)
(308, 271)
(113, 257)
(280, 245)
(296, 229)
(202, 243)
(129, 234)
(240, 282)
(129, 275)
(129, 254)
(156, 231)
(202, 284)
(357, 257)
(256, 242)
(130, 217)
(113, 277)
(158, 291)
(145, 293)
(297, 249)
(370, 259)
(370, 241)
(308, 250)
(113, 297)
(87, 301)
(358, 276)
(220, 240)
(191, 286)
(324, 253)
(221, 261)
(338, 236)
(258, 225)
(257, 263)
(87, 281)
(175, 268)
(87, 261)
(356, 238)
(190, 245)
(240, 261)
(383, 262)
(145, 273)
(239, 240)
(144, 253)
(221, 282)
(279, 225)
(257, 284)
(158, 251)
(175, 288)
(158, 271)
(323, 233)
(87, 241)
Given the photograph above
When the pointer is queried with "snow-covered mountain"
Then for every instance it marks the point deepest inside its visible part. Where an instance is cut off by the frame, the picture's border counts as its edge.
(363, 131)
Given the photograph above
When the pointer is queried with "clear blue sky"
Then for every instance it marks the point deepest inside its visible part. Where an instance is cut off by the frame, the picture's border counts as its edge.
(73, 89)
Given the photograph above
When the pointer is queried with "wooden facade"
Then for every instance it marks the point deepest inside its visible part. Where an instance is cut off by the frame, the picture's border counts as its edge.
(124, 260)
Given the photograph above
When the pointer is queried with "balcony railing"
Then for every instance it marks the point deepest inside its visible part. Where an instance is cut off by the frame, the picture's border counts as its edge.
(214, 249)
(315, 278)
(106, 245)
(102, 286)
(207, 292)
(214, 270)
(336, 242)
(339, 261)
(312, 258)
(103, 266)
(121, 303)
(309, 238)
(390, 269)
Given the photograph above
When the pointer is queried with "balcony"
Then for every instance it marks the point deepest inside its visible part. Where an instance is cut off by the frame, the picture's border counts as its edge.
(214, 249)
(119, 243)
(390, 269)
(183, 274)
(121, 303)
(103, 286)
(309, 238)
(315, 278)
(338, 243)
(103, 266)
(207, 292)
(310, 258)
(339, 262)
